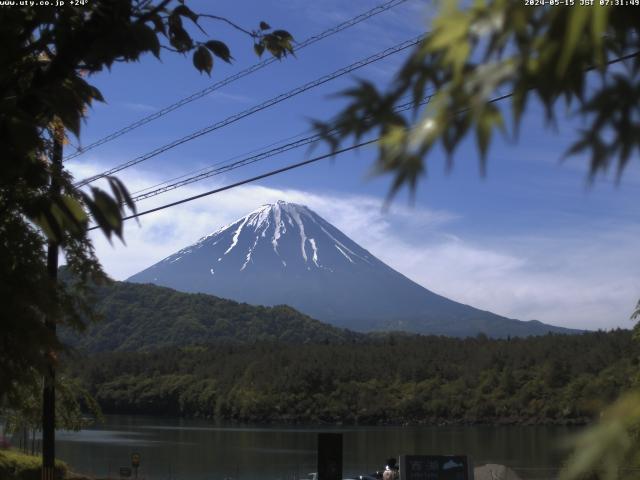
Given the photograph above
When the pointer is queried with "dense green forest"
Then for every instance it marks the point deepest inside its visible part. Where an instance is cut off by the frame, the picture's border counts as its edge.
(142, 317)
(391, 379)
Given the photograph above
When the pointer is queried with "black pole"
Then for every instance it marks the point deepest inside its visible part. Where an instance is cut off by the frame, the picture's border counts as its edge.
(49, 391)
(330, 456)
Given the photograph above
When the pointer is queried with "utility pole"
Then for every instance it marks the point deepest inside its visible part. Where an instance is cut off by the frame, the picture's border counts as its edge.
(49, 391)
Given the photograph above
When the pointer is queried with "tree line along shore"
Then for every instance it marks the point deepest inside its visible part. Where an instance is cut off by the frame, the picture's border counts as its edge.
(386, 379)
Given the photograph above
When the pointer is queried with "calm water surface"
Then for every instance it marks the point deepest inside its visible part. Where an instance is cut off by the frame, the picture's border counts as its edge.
(200, 450)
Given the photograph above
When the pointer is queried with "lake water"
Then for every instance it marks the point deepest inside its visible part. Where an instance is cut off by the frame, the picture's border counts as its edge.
(200, 450)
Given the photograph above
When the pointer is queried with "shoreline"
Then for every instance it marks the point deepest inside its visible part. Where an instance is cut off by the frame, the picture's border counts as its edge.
(315, 422)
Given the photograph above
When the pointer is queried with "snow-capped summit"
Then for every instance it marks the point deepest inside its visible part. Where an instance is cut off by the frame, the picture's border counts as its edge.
(283, 235)
(284, 253)
(270, 222)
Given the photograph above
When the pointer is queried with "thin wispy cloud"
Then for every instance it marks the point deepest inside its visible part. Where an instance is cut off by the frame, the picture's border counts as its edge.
(138, 107)
(230, 97)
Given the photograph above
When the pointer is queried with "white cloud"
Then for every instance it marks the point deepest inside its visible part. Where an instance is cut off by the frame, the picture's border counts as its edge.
(564, 280)
(577, 279)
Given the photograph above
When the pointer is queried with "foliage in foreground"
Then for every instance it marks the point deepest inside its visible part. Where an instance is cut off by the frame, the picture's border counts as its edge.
(19, 466)
(477, 52)
(47, 59)
(75, 409)
(609, 449)
(549, 379)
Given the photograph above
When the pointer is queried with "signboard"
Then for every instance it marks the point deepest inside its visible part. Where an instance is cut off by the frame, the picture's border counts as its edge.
(125, 472)
(135, 460)
(435, 467)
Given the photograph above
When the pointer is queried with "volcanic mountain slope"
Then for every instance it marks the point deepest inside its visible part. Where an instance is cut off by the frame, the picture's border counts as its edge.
(285, 253)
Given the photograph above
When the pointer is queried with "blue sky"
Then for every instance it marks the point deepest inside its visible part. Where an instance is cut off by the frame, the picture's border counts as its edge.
(531, 239)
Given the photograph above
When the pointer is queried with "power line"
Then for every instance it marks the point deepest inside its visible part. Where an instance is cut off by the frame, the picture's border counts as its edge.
(257, 108)
(271, 173)
(211, 168)
(248, 180)
(215, 169)
(232, 166)
(207, 171)
(268, 174)
(241, 74)
(222, 162)
(316, 159)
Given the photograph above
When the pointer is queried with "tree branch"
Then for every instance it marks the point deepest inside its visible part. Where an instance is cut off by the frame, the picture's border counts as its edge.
(171, 49)
(151, 13)
(229, 22)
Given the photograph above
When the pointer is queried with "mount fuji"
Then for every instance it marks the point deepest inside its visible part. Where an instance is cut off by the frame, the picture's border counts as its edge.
(284, 253)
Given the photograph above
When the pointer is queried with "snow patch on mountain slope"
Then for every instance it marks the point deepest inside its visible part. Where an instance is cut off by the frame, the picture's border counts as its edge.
(279, 227)
(343, 253)
(248, 257)
(339, 245)
(236, 235)
(293, 212)
(314, 247)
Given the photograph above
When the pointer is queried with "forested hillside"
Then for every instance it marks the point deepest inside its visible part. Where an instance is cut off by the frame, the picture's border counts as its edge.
(394, 379)
(139, 317)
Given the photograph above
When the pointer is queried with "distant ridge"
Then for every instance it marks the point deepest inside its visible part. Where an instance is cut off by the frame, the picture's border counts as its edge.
(284, 253)
(147, 317)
